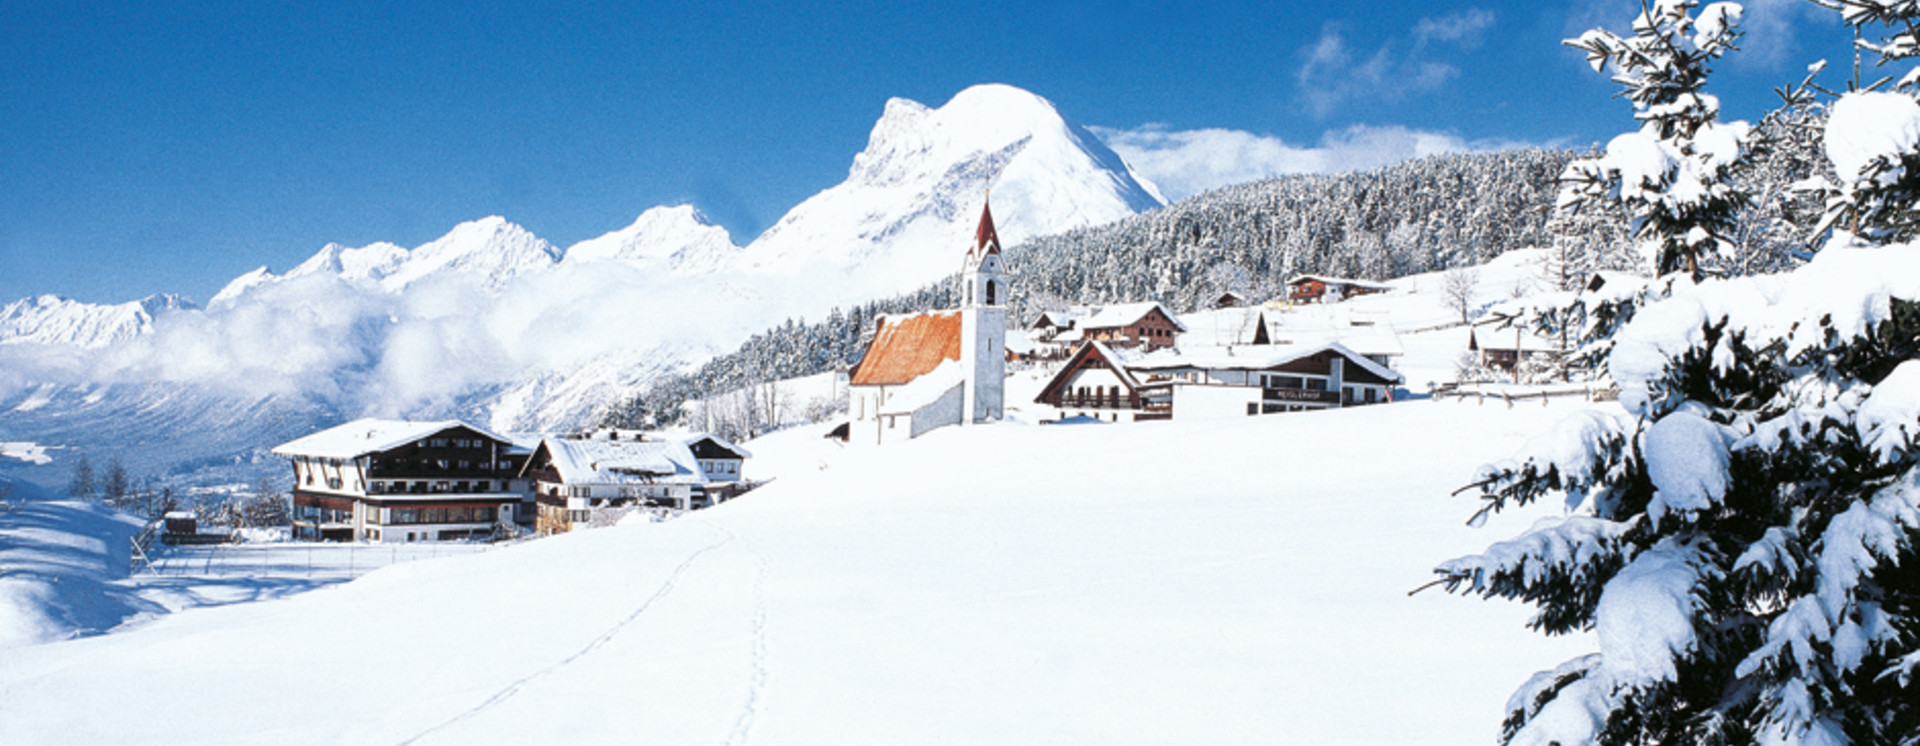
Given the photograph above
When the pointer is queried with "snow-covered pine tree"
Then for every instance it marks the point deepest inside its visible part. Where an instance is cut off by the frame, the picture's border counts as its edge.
(1778, 223)
(1743, 537)
(1873, 137)
(1675, 175)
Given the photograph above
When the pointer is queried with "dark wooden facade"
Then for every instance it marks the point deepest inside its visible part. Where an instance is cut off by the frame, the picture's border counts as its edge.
(1154, 329)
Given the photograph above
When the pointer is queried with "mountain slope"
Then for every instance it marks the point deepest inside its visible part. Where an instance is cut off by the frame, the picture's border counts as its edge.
(998, 584)
(901, 217)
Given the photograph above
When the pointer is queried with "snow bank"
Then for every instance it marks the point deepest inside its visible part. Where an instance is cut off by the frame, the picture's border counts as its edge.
(57, 563)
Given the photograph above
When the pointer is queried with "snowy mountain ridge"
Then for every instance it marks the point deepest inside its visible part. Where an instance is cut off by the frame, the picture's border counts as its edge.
(497, 325)
(679, 239)
(53, 320)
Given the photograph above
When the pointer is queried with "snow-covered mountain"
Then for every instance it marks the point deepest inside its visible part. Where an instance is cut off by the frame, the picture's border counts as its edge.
(491, 251)
(912, 196)
(678, 239)
(493, 323)
(53, 320)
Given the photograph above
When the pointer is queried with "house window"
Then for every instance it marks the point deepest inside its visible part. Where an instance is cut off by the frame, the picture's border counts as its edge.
(1253, 408)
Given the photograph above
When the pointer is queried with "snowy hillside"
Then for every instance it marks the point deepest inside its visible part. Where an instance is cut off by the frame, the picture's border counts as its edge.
(53, 320)
(1243, 582)
(494, 324)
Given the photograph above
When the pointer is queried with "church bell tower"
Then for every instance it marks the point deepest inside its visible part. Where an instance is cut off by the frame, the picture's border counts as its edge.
(983, 325)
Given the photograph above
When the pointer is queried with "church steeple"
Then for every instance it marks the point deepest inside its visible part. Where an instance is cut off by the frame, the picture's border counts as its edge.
(982, 280)
(986, 240)
(983, 325)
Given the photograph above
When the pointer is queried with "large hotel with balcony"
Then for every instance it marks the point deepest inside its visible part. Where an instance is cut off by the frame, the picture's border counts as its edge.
(393, 480)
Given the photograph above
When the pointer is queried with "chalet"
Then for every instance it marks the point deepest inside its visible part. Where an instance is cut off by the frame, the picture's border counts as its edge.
(1097, 383)
(1129, 325)
(396, 480)
(1324, 289)
(939, 368)
(1504, 349)
(1214, 382)
(573, 476)
(1052, 323)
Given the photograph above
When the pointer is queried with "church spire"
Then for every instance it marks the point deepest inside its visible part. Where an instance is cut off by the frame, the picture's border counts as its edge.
(985, 239)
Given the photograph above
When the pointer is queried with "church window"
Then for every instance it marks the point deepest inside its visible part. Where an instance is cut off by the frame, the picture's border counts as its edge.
(990, 293)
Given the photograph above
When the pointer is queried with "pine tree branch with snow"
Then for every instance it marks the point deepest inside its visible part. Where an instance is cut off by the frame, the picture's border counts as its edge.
(1744, 537)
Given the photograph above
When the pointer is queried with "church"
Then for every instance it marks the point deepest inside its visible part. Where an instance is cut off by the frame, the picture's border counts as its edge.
(938, 368)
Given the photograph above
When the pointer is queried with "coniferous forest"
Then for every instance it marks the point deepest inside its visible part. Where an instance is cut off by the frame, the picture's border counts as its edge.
(1408, 218)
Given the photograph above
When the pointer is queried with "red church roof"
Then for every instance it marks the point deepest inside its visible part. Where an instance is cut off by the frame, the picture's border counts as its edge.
(908, 347)
(985, 239)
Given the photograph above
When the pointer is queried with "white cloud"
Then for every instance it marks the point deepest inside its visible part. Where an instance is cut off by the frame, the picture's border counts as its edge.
(1463, 28)
(1333, 73)
(1187, 162)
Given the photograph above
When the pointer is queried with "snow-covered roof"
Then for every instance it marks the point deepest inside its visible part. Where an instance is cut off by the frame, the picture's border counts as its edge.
(1020, 342)
(583, 461)
(1493, 337)
(1365, 333)
(361, 437)
(1366, 340)
(1111, 317)
(1331, 280)
(1252, 357)
(925, 388)
(1064, 317)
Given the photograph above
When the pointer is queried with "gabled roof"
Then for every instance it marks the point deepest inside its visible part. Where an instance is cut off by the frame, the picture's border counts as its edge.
(907, 347)
(361, 437)
(1113, 317)
(1104, 355)
(722, 443)
(582, 461)
(1064, 318)
(986, 240)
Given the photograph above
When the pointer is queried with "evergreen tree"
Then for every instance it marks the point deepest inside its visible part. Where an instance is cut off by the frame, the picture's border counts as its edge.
(1744, 541)
(1675, 175)
(1744, 534)
(115, 487)
(81, 486)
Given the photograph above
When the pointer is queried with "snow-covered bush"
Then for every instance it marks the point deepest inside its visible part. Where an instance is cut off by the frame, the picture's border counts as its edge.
(1743, 536)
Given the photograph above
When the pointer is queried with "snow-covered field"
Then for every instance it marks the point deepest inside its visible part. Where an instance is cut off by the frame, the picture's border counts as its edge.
(65, 570)
(1243, 582)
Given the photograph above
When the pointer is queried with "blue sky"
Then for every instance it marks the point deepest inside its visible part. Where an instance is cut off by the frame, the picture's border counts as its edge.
(167, 147)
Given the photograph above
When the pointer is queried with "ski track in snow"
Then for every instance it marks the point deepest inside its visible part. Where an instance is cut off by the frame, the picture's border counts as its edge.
(673, 579)
(757, 681)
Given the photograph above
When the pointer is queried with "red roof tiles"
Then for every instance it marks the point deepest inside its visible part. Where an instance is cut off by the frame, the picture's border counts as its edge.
(905, 348)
